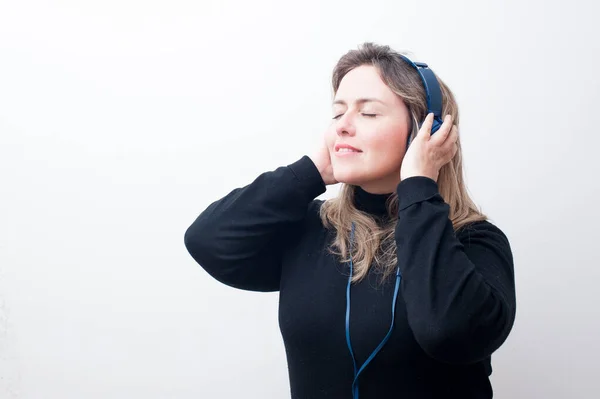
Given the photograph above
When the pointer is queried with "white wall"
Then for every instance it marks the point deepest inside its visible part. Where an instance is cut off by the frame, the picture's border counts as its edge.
(120, 121)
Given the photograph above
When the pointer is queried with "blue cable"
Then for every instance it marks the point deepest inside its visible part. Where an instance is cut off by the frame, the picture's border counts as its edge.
(383, 342)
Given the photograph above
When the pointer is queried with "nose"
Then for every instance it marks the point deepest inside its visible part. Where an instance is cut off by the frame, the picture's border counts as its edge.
(345, 125)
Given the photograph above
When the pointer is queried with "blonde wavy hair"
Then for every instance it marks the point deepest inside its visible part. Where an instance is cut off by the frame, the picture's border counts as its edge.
(374, 243)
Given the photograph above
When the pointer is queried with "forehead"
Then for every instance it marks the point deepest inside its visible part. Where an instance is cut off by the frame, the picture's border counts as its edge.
(364, 83)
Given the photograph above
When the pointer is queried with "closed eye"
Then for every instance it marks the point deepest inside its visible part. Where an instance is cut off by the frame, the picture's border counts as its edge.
(367, 115)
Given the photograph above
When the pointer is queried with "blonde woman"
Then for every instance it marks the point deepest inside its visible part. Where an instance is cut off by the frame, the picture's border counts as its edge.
(399, 287)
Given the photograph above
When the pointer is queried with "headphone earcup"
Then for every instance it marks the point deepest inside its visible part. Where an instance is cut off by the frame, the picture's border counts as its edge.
(437, 124)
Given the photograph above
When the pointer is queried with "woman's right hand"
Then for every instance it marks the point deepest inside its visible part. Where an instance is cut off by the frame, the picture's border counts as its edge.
(322, 160)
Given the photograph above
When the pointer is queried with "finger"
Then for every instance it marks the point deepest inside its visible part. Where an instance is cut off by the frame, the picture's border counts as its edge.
(425, 130)
(441, 135)
(454, 151)
(452, 138)
(448, 148)
(448, 154)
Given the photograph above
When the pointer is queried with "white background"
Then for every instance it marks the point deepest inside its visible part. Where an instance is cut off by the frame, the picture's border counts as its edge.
(120, 121)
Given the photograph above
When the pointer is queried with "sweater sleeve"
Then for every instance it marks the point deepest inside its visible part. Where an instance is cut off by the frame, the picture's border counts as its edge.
(458, 287)
(239, 238)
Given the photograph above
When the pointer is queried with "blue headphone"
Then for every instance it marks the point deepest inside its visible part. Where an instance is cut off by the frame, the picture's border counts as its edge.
(433, 94)
(434, 105)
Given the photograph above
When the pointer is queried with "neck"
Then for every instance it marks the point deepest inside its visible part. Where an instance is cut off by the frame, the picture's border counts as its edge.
(383, 186)
(370, 202)
(376, 190)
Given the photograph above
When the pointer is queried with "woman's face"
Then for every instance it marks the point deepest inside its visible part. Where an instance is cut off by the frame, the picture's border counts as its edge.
(367, 138)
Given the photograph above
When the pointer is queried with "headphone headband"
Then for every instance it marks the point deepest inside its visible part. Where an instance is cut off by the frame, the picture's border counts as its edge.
(433, 92)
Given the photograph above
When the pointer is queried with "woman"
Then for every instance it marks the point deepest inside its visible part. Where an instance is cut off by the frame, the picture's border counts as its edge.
(397, 288)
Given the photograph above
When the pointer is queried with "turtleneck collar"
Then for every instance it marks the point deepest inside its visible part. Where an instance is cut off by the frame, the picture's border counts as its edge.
(374, 204)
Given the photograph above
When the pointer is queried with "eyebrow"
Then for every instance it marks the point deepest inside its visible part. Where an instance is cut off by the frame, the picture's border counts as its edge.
(359, 101)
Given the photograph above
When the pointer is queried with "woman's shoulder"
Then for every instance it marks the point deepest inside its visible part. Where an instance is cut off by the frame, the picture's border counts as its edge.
(482, 231)
(313, 223)
(308, 229)
(313, 212)
(315, 205)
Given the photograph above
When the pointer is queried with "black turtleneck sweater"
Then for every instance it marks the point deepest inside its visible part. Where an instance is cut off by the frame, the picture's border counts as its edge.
(455, 307)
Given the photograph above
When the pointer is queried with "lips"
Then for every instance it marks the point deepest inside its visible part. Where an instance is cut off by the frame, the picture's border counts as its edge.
(345, 148)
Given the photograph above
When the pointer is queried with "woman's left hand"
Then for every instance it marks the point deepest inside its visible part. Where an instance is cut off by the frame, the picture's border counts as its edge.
(428, 153)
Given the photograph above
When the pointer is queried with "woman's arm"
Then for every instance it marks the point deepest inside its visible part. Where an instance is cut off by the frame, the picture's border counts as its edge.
(238, 239)
(459, 289)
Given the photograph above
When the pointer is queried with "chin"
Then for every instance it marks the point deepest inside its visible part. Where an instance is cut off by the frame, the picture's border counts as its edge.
(350, 177)
(376, 182)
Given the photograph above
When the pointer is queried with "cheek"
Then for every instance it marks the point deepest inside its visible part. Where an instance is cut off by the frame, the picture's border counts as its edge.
(388, 144)
(330, 137)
